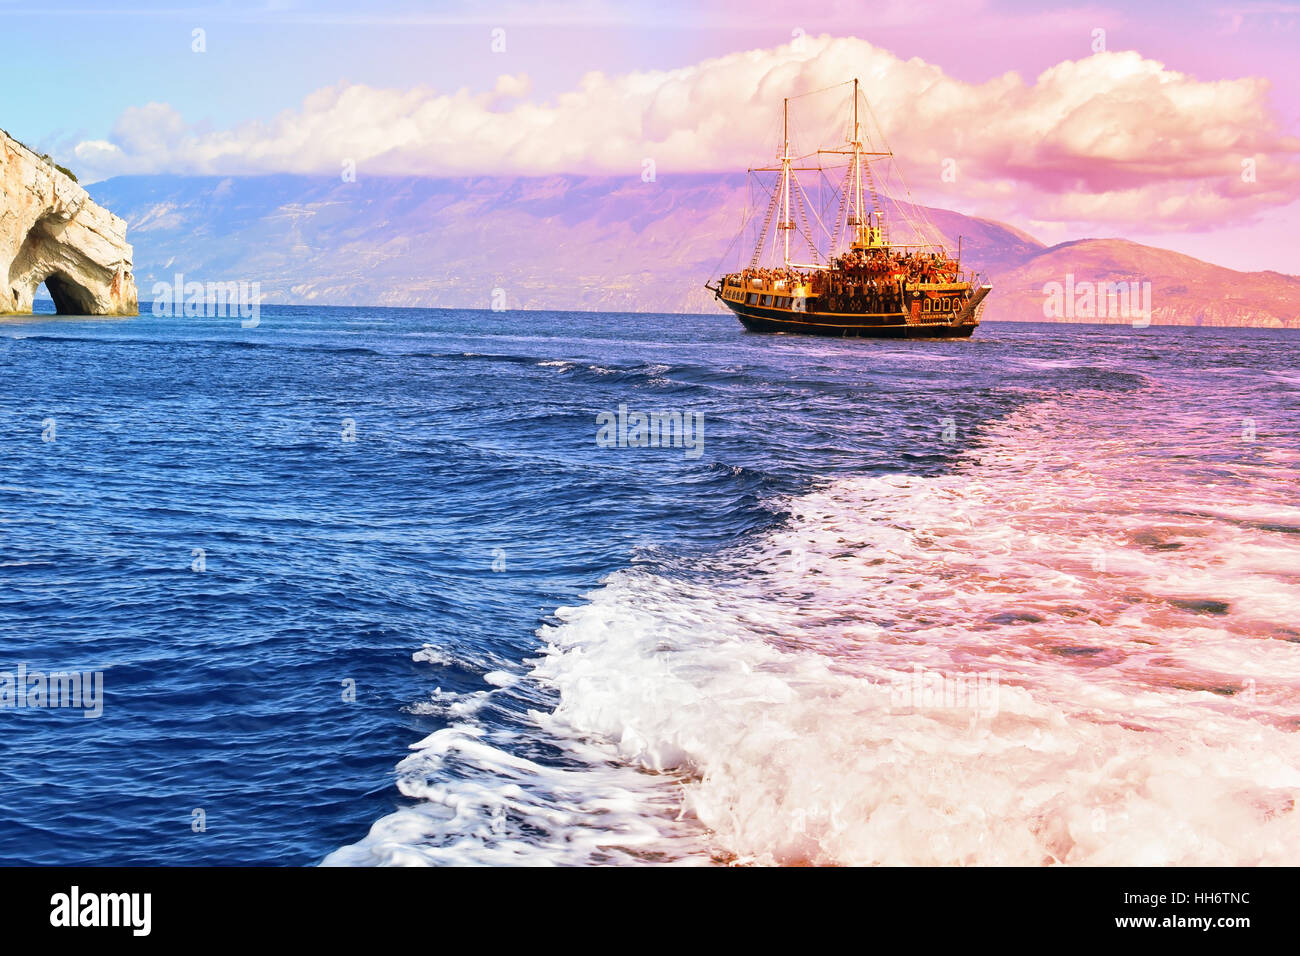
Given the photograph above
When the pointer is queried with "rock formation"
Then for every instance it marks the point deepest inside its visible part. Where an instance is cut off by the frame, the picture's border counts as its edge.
(51, 231)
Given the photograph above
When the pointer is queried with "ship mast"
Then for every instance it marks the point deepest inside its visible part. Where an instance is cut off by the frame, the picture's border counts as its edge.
(858, 189)
(863, 233)
(780, 200)
(786, 223)
(857, 171)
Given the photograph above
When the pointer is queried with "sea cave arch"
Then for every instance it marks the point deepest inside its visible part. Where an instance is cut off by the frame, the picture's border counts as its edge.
(39, 261)
(69, 297)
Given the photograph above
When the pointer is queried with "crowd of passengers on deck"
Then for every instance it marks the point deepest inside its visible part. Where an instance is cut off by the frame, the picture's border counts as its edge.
(872, 268)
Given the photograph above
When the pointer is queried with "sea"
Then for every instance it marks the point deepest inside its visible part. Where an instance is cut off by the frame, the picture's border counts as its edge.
(369, 586)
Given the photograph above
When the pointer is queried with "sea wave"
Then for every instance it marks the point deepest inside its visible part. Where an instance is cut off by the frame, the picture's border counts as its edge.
(1042, 656)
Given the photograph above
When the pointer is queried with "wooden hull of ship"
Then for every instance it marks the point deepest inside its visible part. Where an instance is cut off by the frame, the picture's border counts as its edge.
(758, 318)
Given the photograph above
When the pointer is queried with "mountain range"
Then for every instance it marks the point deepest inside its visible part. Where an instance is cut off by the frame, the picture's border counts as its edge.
(585, 242)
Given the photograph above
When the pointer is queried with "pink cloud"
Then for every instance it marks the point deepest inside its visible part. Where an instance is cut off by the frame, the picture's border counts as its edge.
(1109, 139)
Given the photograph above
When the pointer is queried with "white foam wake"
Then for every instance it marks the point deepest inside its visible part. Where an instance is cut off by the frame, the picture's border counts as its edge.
(804, 698)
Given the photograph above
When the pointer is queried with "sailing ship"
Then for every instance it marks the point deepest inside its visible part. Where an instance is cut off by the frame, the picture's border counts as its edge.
(858, 282)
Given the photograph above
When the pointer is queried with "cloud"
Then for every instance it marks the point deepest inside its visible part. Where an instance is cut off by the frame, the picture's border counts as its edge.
(1111, 139)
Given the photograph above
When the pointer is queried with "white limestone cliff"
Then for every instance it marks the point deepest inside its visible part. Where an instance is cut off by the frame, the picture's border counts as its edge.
(51, 231)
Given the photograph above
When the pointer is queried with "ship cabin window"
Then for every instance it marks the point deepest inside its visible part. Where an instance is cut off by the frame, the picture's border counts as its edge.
(925, 305)
(767, 300)
(752, 299)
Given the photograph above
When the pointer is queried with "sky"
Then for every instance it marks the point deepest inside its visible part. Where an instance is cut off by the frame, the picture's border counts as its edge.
(1174, 124)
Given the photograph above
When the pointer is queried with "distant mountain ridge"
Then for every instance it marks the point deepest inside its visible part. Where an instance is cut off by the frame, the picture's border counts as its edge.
(1183, 290)
(582, 242)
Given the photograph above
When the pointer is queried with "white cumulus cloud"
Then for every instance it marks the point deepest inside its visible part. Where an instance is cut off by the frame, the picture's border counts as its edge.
(1113, 138)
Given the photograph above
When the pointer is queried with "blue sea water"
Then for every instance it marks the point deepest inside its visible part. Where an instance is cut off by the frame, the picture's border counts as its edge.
(364, 588)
